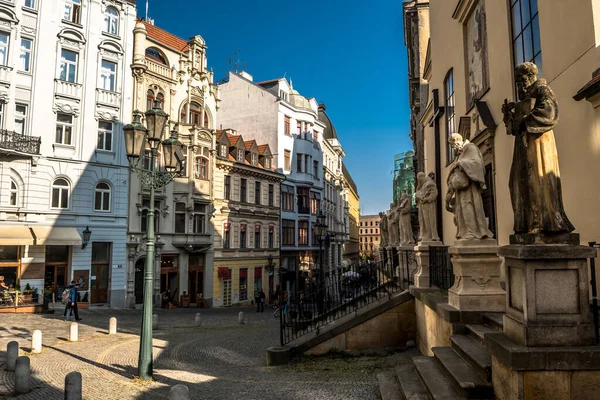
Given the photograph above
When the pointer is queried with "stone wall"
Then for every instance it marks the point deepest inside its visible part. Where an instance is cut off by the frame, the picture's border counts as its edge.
(432, 329)
(390, 329)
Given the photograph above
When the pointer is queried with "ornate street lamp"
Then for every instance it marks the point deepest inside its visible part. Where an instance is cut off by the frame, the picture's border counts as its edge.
(320, 230)
(137, 139)
(87, 234)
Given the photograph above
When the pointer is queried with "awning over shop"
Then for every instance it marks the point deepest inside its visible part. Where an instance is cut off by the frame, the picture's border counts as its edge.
(15, 235)
(55, 236)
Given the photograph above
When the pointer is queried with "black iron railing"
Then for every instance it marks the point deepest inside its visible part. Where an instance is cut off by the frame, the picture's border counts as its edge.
(441, 273)
(406, 268)
(339, 294)
(11, 140)
(594, 293)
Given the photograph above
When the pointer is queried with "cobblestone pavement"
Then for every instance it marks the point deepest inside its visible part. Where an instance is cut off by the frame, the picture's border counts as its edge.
(219, 360)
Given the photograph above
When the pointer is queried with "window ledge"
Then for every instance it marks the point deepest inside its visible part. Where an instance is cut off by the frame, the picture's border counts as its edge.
(8, 3)
(103, 211)
(71, 23)
(64, 146)
(111, 35)
(26, 73)
(30, 10)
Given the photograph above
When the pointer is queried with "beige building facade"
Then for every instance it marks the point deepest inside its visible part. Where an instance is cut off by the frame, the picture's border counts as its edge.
(464, 70)
(370, 236)
(352, 246)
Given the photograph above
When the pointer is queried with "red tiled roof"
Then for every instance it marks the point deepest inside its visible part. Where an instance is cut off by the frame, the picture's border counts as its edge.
(589, 88)
(230, 158)
(261, 148)
(233, 139)
(165, 38)
(249, 143)
(219, 134)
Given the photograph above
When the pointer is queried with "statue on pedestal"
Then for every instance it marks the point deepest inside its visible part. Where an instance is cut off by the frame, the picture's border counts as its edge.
(406, 236)
(535, 187)
(465, 182)
(393, 225)
(426, 195)
(383, 229)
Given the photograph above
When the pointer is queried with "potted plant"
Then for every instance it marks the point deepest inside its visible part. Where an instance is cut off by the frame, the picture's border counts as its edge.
(28, 294)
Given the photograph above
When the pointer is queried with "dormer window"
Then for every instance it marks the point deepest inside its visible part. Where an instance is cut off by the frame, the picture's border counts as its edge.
(253, 158)
(73, 11)
(283, 95)
(223, 150)
(267, 163)
(240, 155)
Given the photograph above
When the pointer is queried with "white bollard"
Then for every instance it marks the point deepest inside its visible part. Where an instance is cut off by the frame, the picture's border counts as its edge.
(241, 317)
(154, 321)
(198, 319)
(74, 332)
(36, 342)
(112, 326)
(179, 392)
(22, 375)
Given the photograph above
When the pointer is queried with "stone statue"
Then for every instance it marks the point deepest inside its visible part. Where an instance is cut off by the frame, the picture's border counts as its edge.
(406, 236)
(535, 187)
(383, 229)
(393, 225)
(466, 179)
(426, 195)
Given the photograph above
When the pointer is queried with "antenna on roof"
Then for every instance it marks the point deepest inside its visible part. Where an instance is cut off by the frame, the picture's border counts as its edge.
(148, 19)
(236, 61)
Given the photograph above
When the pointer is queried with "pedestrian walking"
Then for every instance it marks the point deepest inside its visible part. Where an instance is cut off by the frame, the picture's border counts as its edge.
(262, 297)
(72, 303)
(257, 299)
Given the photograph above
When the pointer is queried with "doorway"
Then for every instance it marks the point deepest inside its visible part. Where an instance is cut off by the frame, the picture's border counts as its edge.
(139, 281)
(100, 272)
(226, 292)
(196, 284)
(55, 273)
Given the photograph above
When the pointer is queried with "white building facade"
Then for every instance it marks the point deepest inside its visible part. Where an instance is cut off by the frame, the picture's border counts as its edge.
(273, 113)
(64, 92)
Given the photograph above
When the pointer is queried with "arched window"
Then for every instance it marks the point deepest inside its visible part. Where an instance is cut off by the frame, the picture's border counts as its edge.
(102, 197)
(195, 111)
(60, 193)
(111, 21)
(149, 99)
(14, 193)
(161, 100)
(201, 164)
(156, 55)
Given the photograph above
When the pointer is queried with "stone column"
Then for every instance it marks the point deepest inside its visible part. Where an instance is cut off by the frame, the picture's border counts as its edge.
(130, 296)
(422, 256)
(476, 276)
(547, 289)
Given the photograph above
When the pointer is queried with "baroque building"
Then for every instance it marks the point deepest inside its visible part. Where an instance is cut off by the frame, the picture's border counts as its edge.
(64, 92)
(247, 215)
(351, 247)
(369, 236)
(172, 73)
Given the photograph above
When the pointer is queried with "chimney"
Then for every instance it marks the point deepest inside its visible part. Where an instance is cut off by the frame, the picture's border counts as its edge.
(246, 75)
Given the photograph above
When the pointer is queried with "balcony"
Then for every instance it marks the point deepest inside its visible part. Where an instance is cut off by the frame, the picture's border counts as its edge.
(13, 142)
(5, 73)
(159, 69)
(67, 89)
(192, 242)
(108, 98)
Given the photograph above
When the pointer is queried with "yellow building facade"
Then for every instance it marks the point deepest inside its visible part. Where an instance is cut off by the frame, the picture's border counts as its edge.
(351, 248)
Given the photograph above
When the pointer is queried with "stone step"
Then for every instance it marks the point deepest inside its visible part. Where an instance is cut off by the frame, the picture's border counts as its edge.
(465, 379)
(478, 331)
(411, 384)
(438, 384)
(494, 320)
(388, 386)
(474, 353)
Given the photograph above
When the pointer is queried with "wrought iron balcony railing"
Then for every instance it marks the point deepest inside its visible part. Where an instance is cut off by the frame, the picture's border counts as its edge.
(10, 140)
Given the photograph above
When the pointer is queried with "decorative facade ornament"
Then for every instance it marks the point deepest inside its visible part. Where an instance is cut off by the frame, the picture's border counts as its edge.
(66, 108)
(106, 115)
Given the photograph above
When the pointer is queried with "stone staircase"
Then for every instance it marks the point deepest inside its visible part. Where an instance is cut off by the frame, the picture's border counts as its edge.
(462, 371)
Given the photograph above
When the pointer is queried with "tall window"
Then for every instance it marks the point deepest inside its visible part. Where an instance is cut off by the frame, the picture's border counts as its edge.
(73, 11)
(111, 21)
(195, 113)
(240, 155)
(102, 197)
(180, 217)
(21, 118)
(108, 76)
(226, 235)
(299, 162)
(60, 193)
(223, 150)
(287, 198)
(271, 195)
(267, 163)
(144, 217)
(288, 234)
(257, 192)
(25, 55)
(1, 114)
(303, 233)
(303, 200)
(287, 159)
(227, 189)
(149, 99)
(286, 125)
(253, 158)
(30, 3)
(299, 129)
(316, 169)
(243, 190)
(14, 193)
(526, 32)
(450, 117)
(160, 99)
(105, 134)
(257, 236)
(68, 66)
(199, 218)
(64, 129)
(201, 165)
(271, 240)
(4, 43)
(315, 202)
(243, 228)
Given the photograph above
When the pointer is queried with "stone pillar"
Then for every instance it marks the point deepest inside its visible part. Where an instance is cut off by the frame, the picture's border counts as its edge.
(12, 353)
(22, 375)
(422, 256)
(547, 295)
(477, 276)
(112, 326)
(179, 392)
(36, 342)
(74, 332)
(73, 386)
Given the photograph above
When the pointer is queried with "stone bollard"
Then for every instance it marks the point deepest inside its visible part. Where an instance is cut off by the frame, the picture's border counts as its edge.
(154, 321)
(36, 342)
(112, 326)
(12, 352)
(73, 386)
(198, 319)
(22, 375)
(241, 317)
(179, 392)
(74, 332)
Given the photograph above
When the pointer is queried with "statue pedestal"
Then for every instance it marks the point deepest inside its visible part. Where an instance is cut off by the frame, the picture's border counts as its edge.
(547, 295)
(476, 276)
(422, 256)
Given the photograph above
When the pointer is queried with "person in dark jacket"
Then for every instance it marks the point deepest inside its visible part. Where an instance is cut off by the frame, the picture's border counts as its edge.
(262, 298)
(72, 304)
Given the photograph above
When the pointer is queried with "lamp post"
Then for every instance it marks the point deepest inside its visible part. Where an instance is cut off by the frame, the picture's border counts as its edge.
(137, 139)
(320, 230)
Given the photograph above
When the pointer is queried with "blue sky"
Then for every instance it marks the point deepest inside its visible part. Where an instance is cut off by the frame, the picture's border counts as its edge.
(348, 54)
